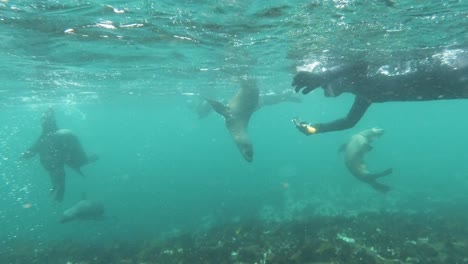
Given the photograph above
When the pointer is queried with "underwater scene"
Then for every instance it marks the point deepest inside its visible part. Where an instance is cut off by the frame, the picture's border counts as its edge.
(233, 131)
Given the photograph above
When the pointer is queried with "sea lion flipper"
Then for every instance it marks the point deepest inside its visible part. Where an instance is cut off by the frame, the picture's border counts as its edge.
(219, 107)
(89, 159)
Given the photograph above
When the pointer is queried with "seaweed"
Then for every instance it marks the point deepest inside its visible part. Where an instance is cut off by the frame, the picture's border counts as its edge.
(374, 238)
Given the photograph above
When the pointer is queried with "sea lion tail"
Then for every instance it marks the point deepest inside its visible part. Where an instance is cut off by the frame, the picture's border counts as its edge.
(379, 186)
(381, 174)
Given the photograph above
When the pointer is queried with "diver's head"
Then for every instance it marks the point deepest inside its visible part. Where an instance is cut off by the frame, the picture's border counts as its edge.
(245, 147)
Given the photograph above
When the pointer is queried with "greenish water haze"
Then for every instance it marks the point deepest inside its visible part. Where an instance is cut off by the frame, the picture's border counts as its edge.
(124, 76)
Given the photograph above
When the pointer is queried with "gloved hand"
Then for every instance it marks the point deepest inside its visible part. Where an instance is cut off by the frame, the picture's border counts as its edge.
(306, 79)
(304, 127)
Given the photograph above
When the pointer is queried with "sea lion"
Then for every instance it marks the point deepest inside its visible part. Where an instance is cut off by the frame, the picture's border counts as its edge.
(83, 210)
(354, 152)
(57, 148)
(203, 108)
(237, 114)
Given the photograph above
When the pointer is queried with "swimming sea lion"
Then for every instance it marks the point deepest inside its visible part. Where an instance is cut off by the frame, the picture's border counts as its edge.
(57, 148)
(354, 151)
(203, 108)
(237, 114)
(83, 210)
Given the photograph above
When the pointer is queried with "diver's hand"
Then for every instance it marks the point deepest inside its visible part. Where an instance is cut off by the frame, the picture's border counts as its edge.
(304, 127)
(306, 80)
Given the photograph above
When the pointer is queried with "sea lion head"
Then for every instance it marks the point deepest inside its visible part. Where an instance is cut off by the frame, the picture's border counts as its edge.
(245, 147)
(377, 131)
(373, 133)
(49, 125)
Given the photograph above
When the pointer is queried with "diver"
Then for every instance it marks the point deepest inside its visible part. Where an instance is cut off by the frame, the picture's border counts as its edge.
(439, 77)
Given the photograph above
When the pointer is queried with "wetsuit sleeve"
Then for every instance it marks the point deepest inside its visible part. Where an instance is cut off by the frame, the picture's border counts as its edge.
(356, 112)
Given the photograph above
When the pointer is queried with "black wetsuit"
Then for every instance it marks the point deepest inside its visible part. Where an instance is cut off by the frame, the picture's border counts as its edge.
(424, 81)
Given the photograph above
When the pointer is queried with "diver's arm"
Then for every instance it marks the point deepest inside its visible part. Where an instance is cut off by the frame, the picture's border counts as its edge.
(356, 112)
(358, 68)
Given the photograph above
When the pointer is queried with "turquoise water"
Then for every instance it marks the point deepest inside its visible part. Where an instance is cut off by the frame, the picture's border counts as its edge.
(125, 76)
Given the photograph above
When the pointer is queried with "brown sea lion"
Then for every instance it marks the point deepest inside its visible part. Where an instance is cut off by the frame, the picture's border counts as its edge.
(237, 114)
(354, 152)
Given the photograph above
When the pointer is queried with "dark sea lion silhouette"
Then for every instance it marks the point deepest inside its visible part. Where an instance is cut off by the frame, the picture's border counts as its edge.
(83, 210)
(237, 114)
(354, 152)
(57, 148)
